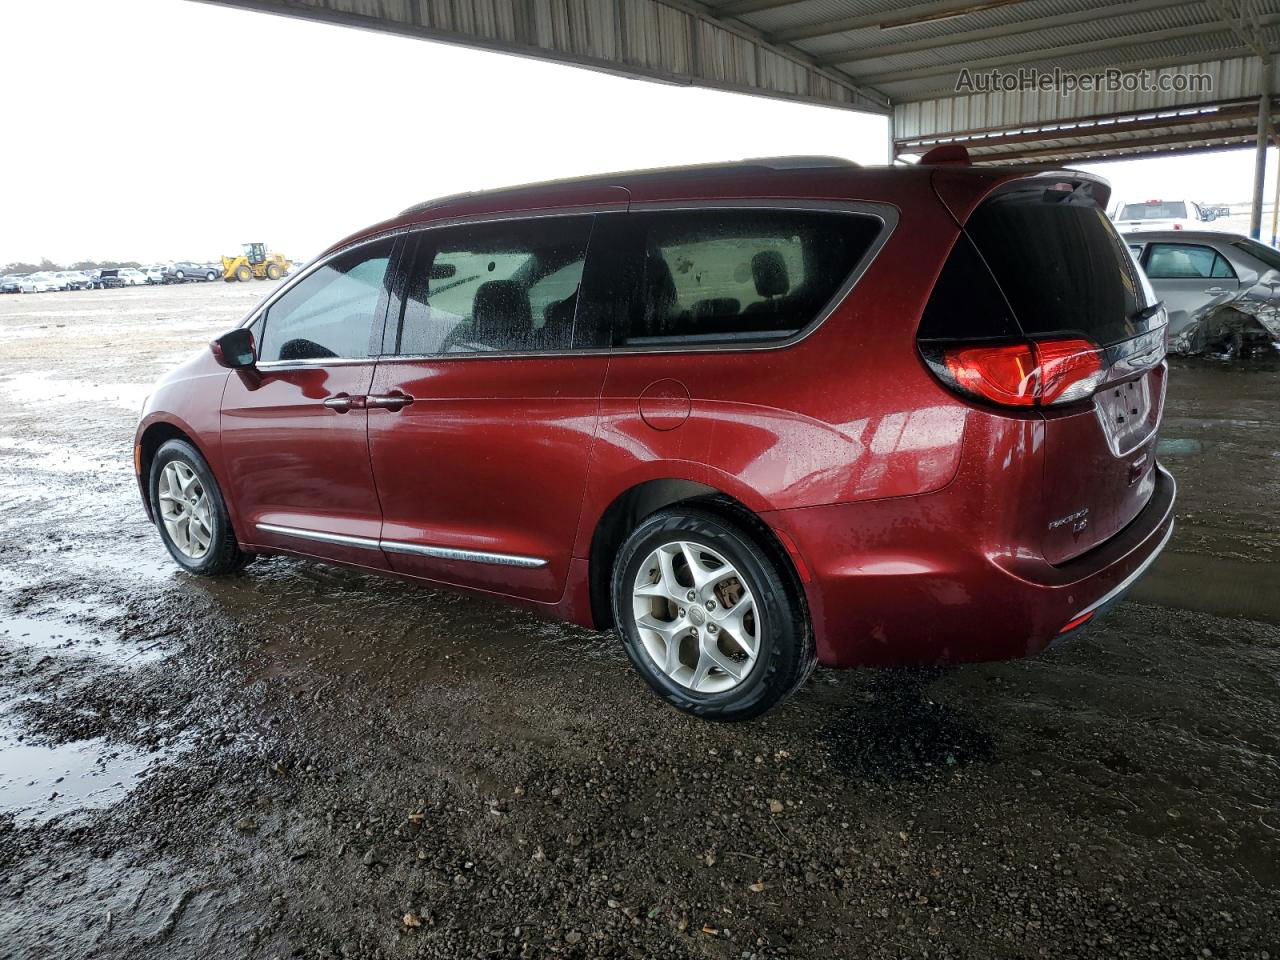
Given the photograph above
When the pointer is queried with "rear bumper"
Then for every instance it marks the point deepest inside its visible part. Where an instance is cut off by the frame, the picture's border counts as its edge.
(900, 582)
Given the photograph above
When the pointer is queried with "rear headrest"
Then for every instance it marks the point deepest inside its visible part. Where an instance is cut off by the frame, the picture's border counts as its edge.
(500, 311)
(769, 271)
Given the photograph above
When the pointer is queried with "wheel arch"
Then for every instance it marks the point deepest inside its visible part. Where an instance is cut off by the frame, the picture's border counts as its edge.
(153, 437)
(631, 507)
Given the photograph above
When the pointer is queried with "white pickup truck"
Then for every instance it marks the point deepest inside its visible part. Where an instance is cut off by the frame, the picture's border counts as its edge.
(1162, 215)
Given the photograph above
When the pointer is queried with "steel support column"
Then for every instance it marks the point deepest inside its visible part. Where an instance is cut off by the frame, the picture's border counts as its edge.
(1260, 151)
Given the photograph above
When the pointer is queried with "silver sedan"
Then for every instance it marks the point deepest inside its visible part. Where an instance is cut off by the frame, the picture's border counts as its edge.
(1222, 290)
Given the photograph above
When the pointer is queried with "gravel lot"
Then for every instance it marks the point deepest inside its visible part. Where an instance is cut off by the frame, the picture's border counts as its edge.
(302, 761)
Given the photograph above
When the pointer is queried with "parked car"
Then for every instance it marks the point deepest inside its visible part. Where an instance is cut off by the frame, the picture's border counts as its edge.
(11, 283)
(154, 275)
(725, 410)
(74, 279)
(42, 282)
(1162, 215)
(187, 271)
(107, 278)
(1222, 290)
(131, 277)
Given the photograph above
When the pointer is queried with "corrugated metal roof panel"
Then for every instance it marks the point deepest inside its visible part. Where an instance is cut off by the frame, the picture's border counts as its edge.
(1233, 78)
(769, 48)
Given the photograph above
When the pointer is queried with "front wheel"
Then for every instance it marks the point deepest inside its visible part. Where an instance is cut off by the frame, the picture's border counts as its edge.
(190, 512)
(709, 617)
(210, 276)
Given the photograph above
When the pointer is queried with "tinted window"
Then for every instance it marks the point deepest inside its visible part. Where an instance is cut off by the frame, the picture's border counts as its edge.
(330, 313)
(1061, 265)
(1184, 261)
(498, 287)
(966, 303)
(1174, 210)
(736, 274)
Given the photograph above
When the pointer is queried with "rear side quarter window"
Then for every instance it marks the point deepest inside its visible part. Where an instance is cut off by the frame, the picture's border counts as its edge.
(731, 276)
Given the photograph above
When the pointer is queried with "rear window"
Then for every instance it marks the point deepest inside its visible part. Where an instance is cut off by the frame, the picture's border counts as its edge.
(1160, 210)
(1260, 251)
(1060, 264)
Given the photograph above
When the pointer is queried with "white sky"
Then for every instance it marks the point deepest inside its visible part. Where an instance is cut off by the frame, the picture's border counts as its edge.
(164, 129)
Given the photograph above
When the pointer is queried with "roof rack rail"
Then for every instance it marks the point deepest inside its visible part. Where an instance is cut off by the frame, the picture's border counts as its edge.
(768, 163)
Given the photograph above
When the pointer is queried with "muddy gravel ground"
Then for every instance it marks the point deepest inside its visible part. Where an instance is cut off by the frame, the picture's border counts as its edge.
(300, 761)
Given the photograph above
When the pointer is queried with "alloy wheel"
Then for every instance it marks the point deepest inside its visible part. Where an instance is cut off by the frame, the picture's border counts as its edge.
(696, 616)
(185, 509)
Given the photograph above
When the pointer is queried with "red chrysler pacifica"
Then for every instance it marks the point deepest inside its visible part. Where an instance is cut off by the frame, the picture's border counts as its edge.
(754, 416)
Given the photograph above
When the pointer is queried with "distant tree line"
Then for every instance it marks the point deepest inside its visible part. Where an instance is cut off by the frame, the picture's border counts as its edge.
(46, 265)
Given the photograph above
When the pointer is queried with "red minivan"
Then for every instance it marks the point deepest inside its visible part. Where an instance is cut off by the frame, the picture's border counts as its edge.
(753, 416)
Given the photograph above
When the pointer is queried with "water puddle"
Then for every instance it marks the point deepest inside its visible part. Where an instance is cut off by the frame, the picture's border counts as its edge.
(48, 460)
(53, 636)
(40, 782)
(42, 387)
(1178, 447)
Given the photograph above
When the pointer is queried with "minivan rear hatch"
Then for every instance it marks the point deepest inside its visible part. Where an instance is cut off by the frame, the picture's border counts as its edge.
(1073, 290)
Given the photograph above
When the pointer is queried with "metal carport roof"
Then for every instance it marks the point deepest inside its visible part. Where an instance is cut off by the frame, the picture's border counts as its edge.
(927, 65)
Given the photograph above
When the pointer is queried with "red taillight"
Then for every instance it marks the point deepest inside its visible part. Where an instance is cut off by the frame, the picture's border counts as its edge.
(1004, 375)
(1036, 374)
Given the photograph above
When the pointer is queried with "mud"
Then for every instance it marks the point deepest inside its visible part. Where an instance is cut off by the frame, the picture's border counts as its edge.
(303, 761)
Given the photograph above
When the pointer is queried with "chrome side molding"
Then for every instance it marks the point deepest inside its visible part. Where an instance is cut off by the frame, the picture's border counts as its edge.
(338, 538)
(413, 549)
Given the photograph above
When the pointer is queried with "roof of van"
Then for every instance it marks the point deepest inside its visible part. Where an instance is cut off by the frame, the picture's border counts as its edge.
(782, 178)
(623, 177)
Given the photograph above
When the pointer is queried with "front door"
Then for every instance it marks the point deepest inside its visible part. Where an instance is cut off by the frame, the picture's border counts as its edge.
(482, 416)
(294, 433)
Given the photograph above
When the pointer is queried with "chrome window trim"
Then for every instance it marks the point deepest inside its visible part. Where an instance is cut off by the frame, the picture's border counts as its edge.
(315, 362)
(886, 213)
(399, 546)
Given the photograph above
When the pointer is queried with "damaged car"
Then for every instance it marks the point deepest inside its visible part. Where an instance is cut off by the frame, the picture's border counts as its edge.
(1221, 289)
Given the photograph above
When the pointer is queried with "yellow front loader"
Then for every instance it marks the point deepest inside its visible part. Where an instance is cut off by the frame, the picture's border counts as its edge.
(254, 264)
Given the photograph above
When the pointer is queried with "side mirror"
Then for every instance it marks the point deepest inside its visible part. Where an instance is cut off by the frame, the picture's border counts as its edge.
(235, 349)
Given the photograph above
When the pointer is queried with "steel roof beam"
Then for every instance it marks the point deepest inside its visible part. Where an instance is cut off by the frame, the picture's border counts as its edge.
(1052, 53)
(902, 16)
(854, 54)
(1138, 123)
(1030, 126)
(1180, 137)
(752, 6)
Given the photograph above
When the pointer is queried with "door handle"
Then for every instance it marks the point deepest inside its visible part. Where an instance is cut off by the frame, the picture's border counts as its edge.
(389, 401)
(1217, 290)
(342, 402)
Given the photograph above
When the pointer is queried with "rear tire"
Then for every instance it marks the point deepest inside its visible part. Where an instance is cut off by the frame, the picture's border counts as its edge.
(740, 646)
(273, 271)
(190, 513)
